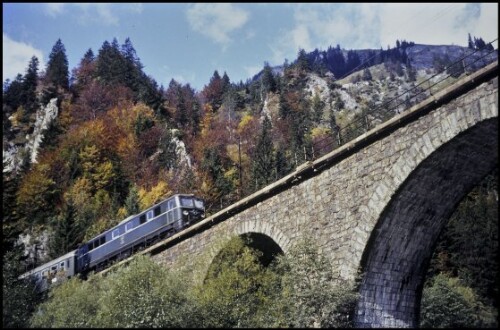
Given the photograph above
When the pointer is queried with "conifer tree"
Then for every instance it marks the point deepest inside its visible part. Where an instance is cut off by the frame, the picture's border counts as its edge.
(13, 94)
(302, 60)
(226, 83)
(29, 99)
(367, 76)
(133, 66)
(317, 107)
(57, 72)
(110, 64)
(214, 91)
(67, 233)
(268, 82)
(132, 201)
(264, 157)
(84, 73)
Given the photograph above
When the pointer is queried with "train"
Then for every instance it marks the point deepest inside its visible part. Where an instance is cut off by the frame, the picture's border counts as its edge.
(133, 234)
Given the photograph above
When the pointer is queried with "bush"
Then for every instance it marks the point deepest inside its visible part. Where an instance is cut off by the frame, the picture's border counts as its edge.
(72, 304)
(312, 295)
(446, 303)
(143, 294)
(237, 290)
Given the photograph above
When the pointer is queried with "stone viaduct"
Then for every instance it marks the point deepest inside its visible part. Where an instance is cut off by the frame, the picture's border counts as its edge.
(376, 204)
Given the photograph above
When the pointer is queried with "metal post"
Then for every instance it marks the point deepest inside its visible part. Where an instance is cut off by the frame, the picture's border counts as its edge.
(239, 167)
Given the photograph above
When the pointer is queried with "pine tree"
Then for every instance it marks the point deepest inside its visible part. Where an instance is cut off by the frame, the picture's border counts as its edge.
(264, 157)
(132, 201)
(218, 185)
(367, 76)
(317, 107)
(284, 107)
(282, 164)
(470, 42)
(226, 83)
(214, 91)
(67, 233)
(268, 82)
(334, 127)
(57, 72)
(132, 65)
(84, 73)
(29, 99)
(13, 93)
(10, 217)
(19, 297)
(111, 66)
(303, 61)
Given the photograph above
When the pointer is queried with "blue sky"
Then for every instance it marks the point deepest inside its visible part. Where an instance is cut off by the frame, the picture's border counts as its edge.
(187, 42)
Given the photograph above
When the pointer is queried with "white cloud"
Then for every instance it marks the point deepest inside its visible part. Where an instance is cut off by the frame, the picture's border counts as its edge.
(216, 21)
(186, 77)
(16, 57)
(447, 23)
(252, 70)
(92, 13)
(366, 25)
(323, 25)
(54, 9)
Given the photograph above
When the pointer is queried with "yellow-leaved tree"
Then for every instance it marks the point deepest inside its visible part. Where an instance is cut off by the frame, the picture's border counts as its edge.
(156, 194)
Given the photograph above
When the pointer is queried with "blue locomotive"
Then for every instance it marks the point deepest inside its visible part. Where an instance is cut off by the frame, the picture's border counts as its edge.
(129, 236)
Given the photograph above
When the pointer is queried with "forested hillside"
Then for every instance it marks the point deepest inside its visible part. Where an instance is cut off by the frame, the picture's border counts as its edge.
(119, 142)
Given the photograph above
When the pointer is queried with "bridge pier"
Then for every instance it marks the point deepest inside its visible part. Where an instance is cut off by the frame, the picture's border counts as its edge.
(400, 248)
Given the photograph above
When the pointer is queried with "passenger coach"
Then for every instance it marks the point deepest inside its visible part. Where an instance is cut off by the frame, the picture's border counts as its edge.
(132, 234)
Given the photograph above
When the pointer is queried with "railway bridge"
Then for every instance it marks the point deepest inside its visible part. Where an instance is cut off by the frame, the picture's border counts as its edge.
(376, 204)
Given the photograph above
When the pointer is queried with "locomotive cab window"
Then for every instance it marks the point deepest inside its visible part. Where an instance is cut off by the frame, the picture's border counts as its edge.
(198, 203)
(186, 201)
(102, 240)
(142, 219)
(150, 215)
(115, 233)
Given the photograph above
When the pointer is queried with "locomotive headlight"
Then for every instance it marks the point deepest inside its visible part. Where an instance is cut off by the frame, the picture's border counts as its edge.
(185, 212)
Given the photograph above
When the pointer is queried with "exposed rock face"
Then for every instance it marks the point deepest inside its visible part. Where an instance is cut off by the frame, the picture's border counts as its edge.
(35, 246)
(11, 158)
(13, 155)
(317, 85)
(43, 119)
(180, 150)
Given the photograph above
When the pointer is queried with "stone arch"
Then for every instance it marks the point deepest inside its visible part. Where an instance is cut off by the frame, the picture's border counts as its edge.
(264, 228)
(430, 187)
(264, 234)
